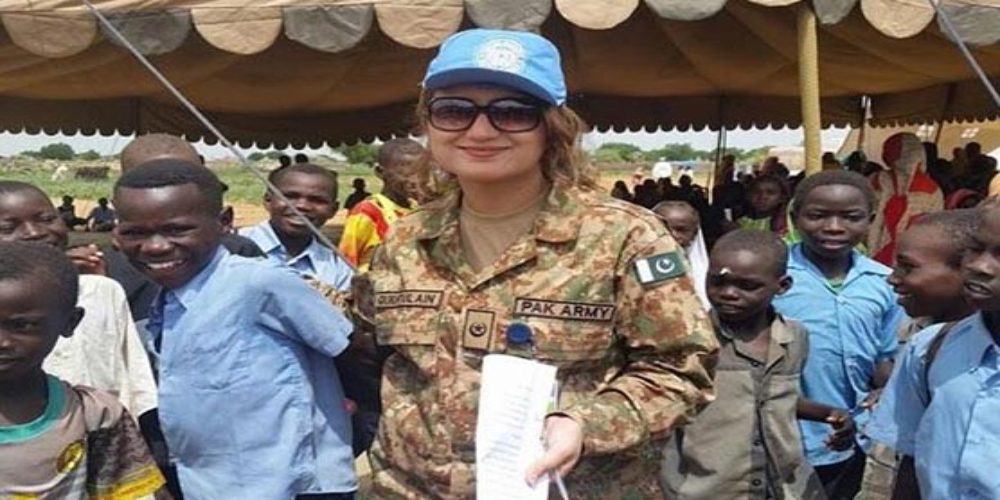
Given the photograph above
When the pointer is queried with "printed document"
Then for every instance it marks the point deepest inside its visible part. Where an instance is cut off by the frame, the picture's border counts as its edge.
(515, 396)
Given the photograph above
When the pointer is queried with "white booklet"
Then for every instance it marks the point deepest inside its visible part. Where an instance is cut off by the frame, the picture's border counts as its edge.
(514, 397)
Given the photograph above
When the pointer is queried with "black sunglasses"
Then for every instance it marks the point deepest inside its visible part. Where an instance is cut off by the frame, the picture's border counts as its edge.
(455, 114)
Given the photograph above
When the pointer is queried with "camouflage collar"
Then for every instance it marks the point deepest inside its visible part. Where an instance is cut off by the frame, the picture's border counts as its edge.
(558, 222)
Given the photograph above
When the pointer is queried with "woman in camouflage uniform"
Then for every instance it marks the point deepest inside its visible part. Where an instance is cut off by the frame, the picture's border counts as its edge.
(519, 240)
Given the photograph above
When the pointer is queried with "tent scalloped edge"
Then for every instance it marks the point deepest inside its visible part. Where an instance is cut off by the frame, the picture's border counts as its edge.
(413, 23)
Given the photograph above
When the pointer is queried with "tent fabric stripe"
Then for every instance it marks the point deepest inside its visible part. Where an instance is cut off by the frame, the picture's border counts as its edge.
(326, 73)
(62, 28)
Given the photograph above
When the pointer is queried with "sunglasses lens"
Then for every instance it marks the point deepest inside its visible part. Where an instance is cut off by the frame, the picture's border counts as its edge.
(513, 116)
(452, 114)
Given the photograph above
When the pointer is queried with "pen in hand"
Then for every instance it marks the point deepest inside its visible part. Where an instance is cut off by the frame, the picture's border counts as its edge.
(560, 485)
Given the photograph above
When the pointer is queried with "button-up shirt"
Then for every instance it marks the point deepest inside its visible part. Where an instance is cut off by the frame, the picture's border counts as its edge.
(851, 328)
(946, 416)
(250, 401)
(754, 414)
(316, 260)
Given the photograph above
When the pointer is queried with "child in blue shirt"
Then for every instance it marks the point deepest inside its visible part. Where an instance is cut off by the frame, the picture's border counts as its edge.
(286, 239)
(940, 408)
(250, 401)
(850, 312)
(928, 280)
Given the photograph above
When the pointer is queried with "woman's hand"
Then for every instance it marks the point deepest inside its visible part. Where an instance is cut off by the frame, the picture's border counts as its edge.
(563, 437)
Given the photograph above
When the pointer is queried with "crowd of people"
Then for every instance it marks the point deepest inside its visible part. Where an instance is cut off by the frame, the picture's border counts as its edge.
(830, 336)
(758, 196)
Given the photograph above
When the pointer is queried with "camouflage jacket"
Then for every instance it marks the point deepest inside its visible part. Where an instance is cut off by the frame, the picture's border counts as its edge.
(634, 360)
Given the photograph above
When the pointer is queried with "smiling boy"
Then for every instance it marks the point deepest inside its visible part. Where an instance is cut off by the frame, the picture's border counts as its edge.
(849, 310)
(928, 272)
(286, 239)
(939, 409)
(250, 401)
(928, 279)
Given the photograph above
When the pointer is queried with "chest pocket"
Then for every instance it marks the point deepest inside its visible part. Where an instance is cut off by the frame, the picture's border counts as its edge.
(225, 350)
(408, 320)
(567, 343)
(567, 333)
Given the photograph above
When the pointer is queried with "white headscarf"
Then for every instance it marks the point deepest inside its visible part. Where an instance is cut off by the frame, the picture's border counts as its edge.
(697, 255)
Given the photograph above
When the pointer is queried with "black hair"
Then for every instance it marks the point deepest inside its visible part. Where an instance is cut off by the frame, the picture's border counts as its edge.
(761, 243)
(389, 152)
(958, 228)
(165, 173)
(11, 187)
(21, 260)
(772, 179)
(780, 170)
(303, 168)
(833, 178)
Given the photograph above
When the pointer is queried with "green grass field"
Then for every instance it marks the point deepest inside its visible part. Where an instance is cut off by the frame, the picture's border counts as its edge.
(244, 186)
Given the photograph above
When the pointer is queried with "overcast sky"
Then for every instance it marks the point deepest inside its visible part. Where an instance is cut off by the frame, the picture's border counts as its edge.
(11, 144)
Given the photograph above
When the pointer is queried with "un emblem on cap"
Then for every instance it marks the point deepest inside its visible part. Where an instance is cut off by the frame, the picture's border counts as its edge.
(501, 54)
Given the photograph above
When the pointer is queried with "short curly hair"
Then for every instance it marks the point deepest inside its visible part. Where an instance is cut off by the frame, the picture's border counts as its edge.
(958, 228)
(762, 243)
(23, 260)
(165, 173)
(833, 178)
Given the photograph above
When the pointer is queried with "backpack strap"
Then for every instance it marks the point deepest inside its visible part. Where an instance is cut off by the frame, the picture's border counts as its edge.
(932, 351)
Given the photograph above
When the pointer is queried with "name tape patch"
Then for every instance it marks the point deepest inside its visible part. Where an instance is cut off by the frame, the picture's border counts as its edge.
(430, 299)
(659, 268)
(578, 311)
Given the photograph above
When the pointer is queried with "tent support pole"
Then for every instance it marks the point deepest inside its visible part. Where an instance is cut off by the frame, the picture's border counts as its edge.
(808, 42)
(944, 112)
(863, 129)
(713, 175)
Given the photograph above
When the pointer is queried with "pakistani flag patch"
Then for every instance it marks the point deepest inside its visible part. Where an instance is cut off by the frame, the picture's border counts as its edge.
(659, 268)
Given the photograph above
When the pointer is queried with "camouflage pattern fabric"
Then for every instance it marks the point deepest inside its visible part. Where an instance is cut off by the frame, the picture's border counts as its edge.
(634, 360)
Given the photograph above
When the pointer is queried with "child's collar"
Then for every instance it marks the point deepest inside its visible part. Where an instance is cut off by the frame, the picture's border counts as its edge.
(53, 410)
(187, 292)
